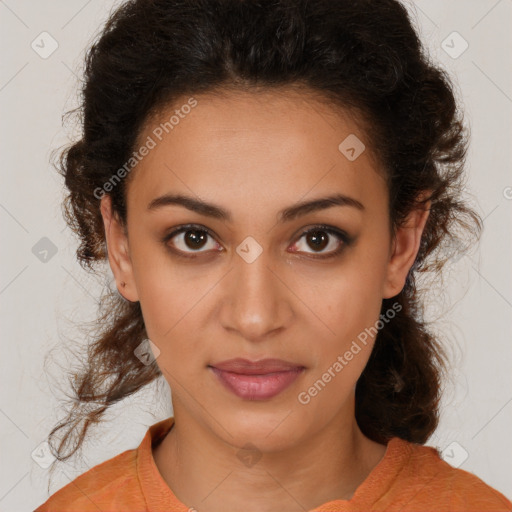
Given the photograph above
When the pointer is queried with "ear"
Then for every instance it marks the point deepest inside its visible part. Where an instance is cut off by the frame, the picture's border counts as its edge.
(404, 248)
(118, 251)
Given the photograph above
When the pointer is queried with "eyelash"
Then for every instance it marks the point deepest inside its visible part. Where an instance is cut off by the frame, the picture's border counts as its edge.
(341, 235)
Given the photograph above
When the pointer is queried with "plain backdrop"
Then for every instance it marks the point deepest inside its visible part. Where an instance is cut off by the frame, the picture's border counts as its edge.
(44, 294)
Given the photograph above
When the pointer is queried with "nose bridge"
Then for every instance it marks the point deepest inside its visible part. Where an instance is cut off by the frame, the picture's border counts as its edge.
(257, 304)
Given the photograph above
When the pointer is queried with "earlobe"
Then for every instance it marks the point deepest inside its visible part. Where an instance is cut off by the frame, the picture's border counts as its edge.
(405, 246)
(118, 251)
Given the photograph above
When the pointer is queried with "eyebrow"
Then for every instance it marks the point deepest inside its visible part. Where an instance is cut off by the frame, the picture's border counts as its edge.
(285, 215)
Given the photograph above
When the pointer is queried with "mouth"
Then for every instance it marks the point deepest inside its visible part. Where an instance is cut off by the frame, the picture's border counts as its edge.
(256, 380)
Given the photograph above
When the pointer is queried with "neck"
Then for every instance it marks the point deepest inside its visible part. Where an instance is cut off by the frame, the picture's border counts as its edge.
(205, 472)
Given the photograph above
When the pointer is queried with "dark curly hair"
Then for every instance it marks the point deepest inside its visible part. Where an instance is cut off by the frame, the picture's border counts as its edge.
(363, 55)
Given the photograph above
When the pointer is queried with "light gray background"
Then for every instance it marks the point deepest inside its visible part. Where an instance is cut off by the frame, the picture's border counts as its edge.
(40, 300)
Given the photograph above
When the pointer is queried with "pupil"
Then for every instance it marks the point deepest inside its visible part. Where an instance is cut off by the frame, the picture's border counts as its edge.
(318, 238)
(194, 239)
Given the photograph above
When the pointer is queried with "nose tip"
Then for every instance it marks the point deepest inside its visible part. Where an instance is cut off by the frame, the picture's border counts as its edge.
(257, 306)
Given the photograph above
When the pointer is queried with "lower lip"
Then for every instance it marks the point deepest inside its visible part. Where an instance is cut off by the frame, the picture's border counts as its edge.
(257, 387)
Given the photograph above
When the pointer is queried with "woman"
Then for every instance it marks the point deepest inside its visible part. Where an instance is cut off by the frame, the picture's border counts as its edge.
(267, 179)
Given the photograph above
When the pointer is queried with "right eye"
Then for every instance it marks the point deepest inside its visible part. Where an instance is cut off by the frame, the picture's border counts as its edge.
(189, 239)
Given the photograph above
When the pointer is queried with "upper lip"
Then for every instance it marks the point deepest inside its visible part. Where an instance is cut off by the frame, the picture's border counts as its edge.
(262, 366)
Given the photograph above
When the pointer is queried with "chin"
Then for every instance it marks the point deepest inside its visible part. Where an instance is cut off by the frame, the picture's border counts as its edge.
(267, 431)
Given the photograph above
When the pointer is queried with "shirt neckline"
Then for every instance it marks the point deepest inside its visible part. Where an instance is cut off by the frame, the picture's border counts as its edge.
(158, 494)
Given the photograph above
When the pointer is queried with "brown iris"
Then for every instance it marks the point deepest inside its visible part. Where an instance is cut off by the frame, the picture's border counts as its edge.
(319, 239)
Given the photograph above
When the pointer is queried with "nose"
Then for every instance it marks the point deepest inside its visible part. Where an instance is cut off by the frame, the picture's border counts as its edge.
(255, 301)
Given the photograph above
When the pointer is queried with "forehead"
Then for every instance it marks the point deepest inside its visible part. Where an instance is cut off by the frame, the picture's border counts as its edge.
(271, 148)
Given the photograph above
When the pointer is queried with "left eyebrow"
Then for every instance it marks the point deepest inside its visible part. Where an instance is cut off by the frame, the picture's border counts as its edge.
(286, 215)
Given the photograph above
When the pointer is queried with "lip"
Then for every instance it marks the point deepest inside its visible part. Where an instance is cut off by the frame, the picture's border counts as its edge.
(260, 367)
(256, 380)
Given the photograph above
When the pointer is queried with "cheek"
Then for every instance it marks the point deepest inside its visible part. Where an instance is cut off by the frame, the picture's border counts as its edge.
(346, 351)
(352, 309)
(350, 306)
(357, 308)
(164, 295)
(353, 299)
(172, 304)
(169, 308)
(171, 323)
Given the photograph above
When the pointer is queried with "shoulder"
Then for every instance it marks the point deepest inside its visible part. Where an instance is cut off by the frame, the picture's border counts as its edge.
(434, 480)
(111, 483)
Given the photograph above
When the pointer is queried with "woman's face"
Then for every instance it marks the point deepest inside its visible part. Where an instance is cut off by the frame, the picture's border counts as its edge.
(247, 281)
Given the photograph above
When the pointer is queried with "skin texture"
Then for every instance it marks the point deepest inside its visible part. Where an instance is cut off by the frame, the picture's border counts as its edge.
(255, 154)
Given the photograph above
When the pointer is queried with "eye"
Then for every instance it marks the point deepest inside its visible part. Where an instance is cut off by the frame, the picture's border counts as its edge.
(323, 237)
(190, 239)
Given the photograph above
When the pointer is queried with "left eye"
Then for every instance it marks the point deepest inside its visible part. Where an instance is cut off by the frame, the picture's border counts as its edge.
(321, 238)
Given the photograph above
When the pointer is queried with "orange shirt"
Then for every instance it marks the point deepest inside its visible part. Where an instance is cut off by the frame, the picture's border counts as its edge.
(409, 478)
